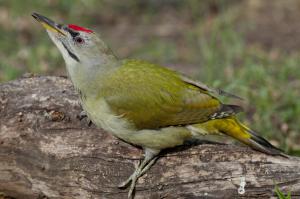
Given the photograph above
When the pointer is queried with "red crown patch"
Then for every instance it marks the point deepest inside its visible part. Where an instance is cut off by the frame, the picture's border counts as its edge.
(79, 28)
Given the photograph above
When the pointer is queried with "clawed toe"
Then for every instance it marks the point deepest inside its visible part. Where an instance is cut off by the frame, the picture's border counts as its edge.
(132, 181)
(132, 187)
(124, 184)
(149, 160)
(83, 115)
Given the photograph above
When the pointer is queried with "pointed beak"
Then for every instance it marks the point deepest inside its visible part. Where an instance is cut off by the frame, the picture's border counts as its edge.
(48, 24)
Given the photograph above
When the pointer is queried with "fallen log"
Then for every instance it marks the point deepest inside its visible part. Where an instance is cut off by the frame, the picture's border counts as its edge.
(46, 151)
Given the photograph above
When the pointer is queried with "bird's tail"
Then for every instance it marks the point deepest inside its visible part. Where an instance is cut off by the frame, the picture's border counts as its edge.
(235, 129)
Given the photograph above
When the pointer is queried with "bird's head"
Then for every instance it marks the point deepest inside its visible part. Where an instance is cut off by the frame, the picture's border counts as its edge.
(78, 45)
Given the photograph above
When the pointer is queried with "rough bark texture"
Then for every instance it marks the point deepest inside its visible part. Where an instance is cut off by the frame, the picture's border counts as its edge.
(45, 150)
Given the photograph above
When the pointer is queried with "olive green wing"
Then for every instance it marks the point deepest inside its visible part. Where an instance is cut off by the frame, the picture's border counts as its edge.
(150, 96)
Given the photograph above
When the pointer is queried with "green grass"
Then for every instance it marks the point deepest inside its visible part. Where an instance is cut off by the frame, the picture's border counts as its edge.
(269, 83)
(281, 195)
(268, 80)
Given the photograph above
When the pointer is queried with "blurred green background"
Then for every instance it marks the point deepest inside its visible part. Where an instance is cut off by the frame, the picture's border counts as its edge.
(247, 47)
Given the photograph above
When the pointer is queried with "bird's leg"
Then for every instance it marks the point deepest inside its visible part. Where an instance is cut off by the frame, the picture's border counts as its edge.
(144, 170)
(145, 165)
(149, 160)
(148, 166)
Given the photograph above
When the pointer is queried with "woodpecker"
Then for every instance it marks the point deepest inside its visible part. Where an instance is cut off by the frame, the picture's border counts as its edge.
(143, 103)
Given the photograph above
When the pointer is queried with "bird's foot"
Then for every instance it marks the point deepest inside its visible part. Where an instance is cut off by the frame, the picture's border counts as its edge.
(124, 184)
(141, 170)
(143, 167)
(132, 181)
(83, 115)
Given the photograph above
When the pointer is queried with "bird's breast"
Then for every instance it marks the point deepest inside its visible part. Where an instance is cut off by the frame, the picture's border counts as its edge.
(102, 116)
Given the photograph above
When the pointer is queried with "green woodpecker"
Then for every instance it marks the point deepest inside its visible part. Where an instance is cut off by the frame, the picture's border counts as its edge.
(143, 103)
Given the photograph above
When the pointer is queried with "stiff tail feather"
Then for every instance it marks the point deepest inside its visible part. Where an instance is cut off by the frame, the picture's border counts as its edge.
(232, 127)
(259, 143)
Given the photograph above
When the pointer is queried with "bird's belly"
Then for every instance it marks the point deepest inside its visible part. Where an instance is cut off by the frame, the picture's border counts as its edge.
(162, 138)
(102, 116)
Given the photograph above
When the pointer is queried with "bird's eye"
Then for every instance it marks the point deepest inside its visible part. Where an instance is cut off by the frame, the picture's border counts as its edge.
(79, 40)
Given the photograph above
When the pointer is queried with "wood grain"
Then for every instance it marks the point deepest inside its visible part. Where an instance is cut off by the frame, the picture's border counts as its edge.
(47, 152)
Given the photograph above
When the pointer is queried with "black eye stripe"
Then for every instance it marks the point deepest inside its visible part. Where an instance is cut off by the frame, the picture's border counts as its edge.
(72, 33)
(59, 26)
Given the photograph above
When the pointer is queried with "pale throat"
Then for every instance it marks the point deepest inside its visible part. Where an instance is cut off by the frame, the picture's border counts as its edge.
(87, 72)
(87, 76)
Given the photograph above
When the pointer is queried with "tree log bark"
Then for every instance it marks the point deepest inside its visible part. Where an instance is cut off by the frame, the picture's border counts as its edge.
(46, 151)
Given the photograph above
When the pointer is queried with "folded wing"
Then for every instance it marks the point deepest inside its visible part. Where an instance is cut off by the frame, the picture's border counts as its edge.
(150, 96)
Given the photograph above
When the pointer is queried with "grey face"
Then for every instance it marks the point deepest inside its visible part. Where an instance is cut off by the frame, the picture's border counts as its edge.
(76, 39)
(79, 46)
(74, 44)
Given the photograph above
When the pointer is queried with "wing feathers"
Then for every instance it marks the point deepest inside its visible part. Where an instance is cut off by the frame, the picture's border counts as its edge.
(226, 111)
(208, 89)
(156, 97)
